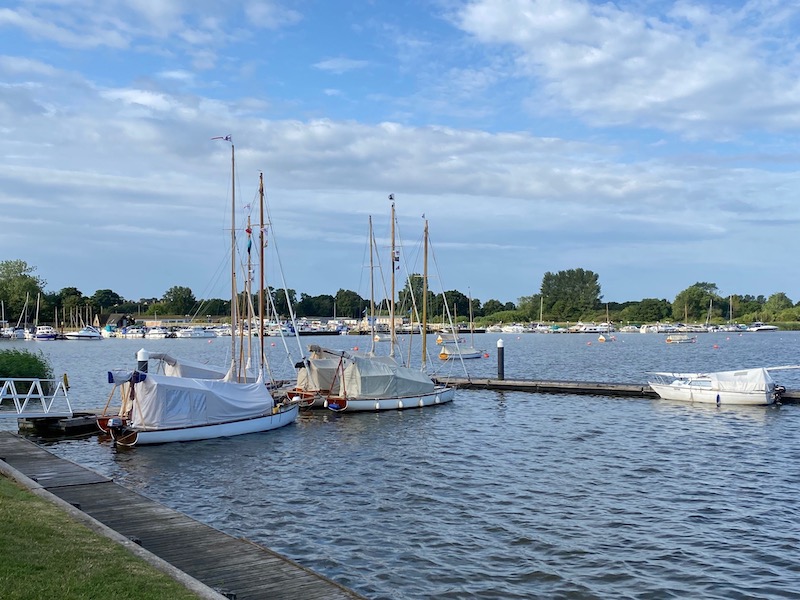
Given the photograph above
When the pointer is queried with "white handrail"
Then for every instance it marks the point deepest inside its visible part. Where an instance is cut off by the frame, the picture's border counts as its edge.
(35, 402)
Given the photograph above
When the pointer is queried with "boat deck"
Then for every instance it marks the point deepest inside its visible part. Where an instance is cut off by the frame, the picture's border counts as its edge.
(236, 567)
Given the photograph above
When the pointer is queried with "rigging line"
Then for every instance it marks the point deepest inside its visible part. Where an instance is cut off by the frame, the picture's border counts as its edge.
(447, 307)
(270, 227)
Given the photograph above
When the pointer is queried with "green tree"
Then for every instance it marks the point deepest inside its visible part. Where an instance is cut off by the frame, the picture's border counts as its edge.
(570, 295)
(492, 306)
(531, 306)
(282, 300)
(692, 304)
(649, 310)
(179, 300)
(18, 284)
(106, 301)
(458, 304)
(774, 305)
(349, 304)
(315, 306)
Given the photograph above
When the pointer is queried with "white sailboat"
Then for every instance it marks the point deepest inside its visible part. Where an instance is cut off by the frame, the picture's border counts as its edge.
(461, 351)
(349, 381)
(191, 405)
(608, 329)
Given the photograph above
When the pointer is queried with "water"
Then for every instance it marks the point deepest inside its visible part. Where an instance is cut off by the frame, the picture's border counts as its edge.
(498, 495)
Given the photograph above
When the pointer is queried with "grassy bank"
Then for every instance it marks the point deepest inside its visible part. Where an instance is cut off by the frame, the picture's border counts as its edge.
(46, 554)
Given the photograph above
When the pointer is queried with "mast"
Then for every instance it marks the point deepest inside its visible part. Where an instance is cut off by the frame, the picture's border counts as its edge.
(395, 258)
(371, 291)
(233, 257)
(261, 311)
(425, 296)
(471, 325)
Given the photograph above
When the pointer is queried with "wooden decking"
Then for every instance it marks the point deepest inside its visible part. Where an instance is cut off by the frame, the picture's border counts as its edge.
(236, 567)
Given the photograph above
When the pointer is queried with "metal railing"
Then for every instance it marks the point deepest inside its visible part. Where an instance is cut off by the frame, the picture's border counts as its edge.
(32, 398)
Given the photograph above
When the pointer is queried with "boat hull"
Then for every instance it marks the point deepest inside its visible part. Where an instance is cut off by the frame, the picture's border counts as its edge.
(440, 395)
(126, 436)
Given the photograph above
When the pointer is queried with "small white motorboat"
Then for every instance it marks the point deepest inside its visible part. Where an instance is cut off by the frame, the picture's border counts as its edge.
(85, 333)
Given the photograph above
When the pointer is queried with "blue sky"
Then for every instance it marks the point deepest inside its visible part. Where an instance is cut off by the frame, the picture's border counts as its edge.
(654, 143)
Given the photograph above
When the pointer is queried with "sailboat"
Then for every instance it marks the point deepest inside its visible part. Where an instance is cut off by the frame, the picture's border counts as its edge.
(456, 350)
(609, 329)
(40, 333)
(349, 381)
(189, 404)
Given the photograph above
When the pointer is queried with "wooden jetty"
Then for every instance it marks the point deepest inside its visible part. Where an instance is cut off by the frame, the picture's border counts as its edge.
(235, 567)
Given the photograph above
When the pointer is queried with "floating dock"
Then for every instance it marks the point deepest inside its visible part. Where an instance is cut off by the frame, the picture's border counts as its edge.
(234, 567)
(591, 388)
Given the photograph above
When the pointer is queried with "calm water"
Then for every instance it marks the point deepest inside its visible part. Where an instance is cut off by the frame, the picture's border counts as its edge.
(498, 495)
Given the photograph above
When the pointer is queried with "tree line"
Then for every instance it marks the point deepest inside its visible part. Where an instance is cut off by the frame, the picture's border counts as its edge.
(565, 296)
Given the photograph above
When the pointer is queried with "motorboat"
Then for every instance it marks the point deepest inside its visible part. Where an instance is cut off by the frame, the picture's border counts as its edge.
(42, 333)
(759, 326)
(85, 333)
(158, 332)
(195, 331)
(681, 338)
(743, 387)
(133, 332)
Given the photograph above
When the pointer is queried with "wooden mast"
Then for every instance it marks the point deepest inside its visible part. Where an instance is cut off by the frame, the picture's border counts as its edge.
(371, 291)
(262, 244)
(395, 258)
(234, 299)
(425, 296)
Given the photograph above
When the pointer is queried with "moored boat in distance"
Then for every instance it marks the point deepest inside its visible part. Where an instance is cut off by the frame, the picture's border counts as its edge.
(85, 333)
(681, 338)
(42, 333)
(759, 326)
(195, 331)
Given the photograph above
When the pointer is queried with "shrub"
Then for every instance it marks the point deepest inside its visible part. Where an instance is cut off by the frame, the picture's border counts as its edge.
(23, 363)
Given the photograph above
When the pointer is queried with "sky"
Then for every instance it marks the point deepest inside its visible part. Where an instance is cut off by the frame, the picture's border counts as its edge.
(654, 143)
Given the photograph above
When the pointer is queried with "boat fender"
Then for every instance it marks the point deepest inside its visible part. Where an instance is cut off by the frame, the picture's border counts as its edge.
(421, 402)
(377, 406)
(399, 404)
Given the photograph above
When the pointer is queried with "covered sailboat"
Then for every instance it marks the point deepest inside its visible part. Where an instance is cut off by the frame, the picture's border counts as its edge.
(351, 381)
(191, 401)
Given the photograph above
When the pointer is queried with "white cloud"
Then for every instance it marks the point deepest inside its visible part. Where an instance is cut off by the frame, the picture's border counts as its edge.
(340, 65)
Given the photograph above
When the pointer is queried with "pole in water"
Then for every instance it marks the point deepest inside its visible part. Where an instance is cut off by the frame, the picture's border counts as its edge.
(142, 356)
(501, 370)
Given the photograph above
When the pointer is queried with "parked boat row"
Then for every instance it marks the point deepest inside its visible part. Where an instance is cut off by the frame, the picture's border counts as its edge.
(179, 400)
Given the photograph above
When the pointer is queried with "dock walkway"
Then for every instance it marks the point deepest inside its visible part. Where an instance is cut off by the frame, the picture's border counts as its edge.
(235, 567)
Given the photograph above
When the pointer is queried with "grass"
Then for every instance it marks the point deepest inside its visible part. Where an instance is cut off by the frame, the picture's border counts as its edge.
(44, 553)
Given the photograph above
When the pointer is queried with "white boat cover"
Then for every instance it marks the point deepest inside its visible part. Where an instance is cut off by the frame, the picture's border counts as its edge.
(165, 402)
(383, 377)
(319, 374)
(173, 367)
(360, 375)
